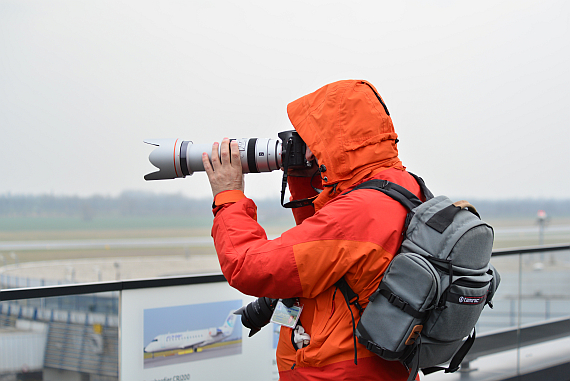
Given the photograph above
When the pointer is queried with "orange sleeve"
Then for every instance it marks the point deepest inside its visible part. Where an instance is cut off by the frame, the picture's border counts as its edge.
(312, 256)
(250, 262)
(222, 199)
(228, 196)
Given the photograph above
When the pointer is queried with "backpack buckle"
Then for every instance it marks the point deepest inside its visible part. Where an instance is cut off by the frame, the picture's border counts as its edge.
(397, 301)
(452, 370)
(375, 348)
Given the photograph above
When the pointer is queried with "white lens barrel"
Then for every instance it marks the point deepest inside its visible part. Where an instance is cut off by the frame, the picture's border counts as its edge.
(194, 156)
(266, 157)
(180, 158)
(256, 155)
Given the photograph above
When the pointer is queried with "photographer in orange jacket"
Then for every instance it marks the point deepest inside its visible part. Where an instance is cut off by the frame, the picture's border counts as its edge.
(349, 133)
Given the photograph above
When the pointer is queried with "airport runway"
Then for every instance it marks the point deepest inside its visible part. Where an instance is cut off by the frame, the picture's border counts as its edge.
(206, 353)
(516, 232)
(105, 243)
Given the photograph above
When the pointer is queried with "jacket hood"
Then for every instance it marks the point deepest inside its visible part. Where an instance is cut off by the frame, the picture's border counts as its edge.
(348, 127)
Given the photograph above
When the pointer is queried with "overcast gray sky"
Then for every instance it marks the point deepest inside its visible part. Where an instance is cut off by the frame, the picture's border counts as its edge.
(478, 91)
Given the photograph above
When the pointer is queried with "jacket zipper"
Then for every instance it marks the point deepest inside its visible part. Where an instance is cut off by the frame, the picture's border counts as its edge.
(379, 99)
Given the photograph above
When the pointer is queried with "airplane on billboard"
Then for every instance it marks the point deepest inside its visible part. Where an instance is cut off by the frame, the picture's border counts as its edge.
(192, 339)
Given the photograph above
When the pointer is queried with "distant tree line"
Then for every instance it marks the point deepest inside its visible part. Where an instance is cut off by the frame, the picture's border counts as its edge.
(133, 203)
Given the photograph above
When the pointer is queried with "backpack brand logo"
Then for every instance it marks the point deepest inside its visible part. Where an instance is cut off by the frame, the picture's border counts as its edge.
(465, 299)
(471, 299)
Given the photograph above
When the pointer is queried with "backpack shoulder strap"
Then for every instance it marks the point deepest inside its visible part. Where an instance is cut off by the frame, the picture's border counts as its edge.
(457, 358)
(393, 190)
(351, 298)
(425, 191)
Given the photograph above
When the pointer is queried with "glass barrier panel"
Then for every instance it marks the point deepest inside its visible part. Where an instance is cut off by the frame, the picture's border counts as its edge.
(66, 337)
(536, 286)
(504, 313)
(544, 296)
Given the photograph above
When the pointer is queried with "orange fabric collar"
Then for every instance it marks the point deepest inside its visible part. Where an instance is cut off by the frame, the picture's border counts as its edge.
(369, 171)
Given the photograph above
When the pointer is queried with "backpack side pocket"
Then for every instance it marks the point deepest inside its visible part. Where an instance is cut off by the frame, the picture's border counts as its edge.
(464, 301)
(392, 320)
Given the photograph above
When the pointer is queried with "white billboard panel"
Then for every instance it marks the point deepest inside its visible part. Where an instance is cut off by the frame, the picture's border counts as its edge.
(189, 332)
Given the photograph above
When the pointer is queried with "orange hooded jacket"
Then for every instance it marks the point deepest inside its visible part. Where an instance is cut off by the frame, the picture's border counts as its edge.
(348, 128)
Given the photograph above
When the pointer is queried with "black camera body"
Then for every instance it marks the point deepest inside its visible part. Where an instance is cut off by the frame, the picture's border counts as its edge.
(293, 150)
(257, 314)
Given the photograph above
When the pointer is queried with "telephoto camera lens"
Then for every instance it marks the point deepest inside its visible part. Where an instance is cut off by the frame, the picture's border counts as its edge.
(180, 158)
(257, 314)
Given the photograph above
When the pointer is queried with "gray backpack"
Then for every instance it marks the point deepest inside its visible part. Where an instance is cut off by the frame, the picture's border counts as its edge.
(432, 294)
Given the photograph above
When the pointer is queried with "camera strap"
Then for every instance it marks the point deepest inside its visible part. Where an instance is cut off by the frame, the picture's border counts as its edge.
(294, 203)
